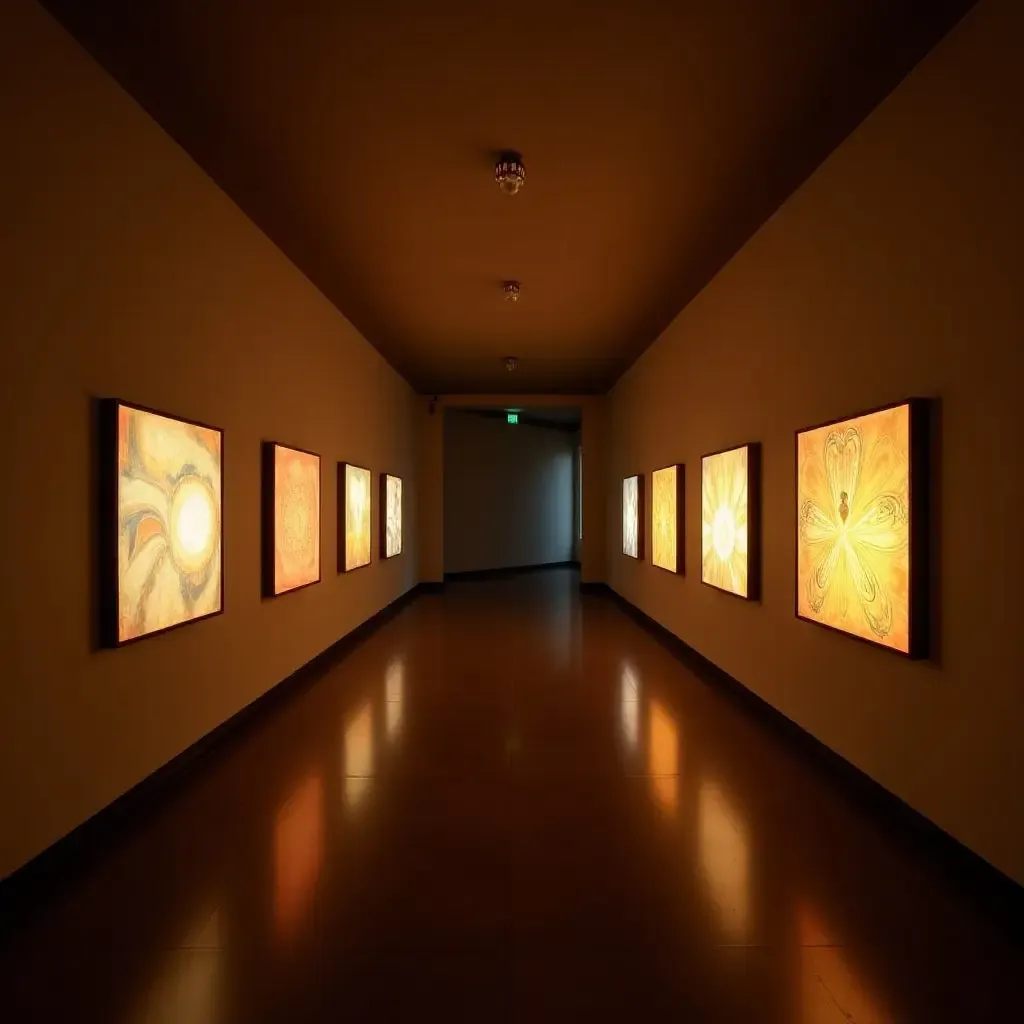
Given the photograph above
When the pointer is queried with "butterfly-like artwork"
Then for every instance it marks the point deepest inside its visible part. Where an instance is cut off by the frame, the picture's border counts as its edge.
(853, 526)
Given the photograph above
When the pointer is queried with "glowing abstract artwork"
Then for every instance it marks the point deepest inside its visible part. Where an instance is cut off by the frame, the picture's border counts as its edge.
(854, 526)
(632, 516)
(391, 527)
(667, 518)
(729, 533)
(294, 481)
(168, 509)
(354, 521)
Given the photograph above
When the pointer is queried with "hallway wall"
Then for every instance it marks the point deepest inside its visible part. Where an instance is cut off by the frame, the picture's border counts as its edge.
(127, 272)
(894, 271)
(429, 431)
(508, 494)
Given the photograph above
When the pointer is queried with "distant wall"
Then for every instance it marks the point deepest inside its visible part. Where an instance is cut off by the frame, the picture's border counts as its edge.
(508, 494)
(896, 270)
(125, 271)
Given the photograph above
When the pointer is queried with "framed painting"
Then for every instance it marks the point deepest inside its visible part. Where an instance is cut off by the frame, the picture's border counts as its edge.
(291, 519)
(633, 516)
(162, 545)
(861, 521)
(730, 502)
(667, 518)
(354, 485)
(390, 505)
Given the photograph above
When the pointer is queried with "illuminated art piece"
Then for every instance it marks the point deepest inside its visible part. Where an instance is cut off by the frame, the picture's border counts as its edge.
(730, 492)
(667, 515)
(353, 517)
(860, 554)
(390, 515)
(162, 541)
(291, 518)
(633, 516)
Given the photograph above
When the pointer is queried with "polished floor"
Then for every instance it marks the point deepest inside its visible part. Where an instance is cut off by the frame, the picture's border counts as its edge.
(510, 803)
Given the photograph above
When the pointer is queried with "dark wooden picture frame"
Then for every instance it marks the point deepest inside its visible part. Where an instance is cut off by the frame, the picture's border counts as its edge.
(382, 515)
(641, 516)
(269, 518)
(753, 449)
(342, 506)
(919, 528)
(109, 525)
(680, 566)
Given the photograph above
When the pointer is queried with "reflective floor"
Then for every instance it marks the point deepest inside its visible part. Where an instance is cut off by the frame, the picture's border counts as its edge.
(510, 803)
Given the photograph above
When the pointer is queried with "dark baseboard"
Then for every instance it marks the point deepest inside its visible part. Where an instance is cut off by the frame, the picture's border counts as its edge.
(35, 884)
(999, 897)
(431, 586)
(506, 572)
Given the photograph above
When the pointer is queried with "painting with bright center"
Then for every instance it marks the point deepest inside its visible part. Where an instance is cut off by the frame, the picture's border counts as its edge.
(296, 518)
(665, 518)
(724, 502)
(853, 526)
(357, 517)
(631, 517)
(393, 517)
(168, 522)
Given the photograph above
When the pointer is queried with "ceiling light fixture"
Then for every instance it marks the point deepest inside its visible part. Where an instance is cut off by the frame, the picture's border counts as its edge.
(510, 173)
(511, 290)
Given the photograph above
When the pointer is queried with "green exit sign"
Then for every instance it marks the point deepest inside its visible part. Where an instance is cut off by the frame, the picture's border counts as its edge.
(513, 417)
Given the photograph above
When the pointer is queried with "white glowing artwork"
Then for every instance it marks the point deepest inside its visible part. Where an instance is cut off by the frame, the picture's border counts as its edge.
(392, 516)
(631, 516)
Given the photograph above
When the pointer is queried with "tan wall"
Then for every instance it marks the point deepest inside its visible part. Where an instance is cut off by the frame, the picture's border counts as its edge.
(127, 272)
(430, 473)
(896, 270)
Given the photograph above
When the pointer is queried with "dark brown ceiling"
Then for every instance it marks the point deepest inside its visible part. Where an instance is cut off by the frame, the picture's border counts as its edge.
(657, 135)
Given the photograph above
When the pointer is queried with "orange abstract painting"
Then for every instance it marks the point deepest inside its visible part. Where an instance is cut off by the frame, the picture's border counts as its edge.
(296, 518)
(168, 522)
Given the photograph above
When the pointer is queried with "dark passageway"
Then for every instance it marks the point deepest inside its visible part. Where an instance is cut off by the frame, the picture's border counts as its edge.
(510, 803)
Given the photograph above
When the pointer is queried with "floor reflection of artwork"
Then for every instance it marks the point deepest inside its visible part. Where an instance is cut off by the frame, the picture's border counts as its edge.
(298, 854)
(631, 516)
(169, 509)
(663, 755)
(392, 516)
(667, 518)
(854, 526)
(296, 518)
(354, 483)
(725, 861)
(728, 533)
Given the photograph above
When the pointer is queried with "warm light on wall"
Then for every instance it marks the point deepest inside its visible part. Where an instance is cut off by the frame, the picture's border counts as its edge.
(667, 518)
(730, 530)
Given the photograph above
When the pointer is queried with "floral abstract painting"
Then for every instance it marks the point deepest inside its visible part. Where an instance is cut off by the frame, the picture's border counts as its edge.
(631, 517)
(169, 544)
(296, 514)
(854, 526)
(667, 518)
(392, 515)
(356, 483)
(728, 497)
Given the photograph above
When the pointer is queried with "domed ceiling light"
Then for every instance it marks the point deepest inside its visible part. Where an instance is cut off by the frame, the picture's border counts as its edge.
(510, 173)
(511, 290)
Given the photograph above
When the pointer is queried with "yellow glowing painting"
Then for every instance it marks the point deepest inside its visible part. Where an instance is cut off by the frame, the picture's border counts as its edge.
(726, 520)
(392, 516)
(356, 485)
(666, 543)
(168, 522)
(853, 526)
(631, 516)
(296, 518)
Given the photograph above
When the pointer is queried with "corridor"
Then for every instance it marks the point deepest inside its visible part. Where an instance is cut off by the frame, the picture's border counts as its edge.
(510, 803)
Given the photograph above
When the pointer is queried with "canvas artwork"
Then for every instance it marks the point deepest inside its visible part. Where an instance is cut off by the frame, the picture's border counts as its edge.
(730, 534)
(293, 478)
(667, 516)
(855, 524)
(168, 522)
(632, 516)
(354, 522)
(391, 503)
